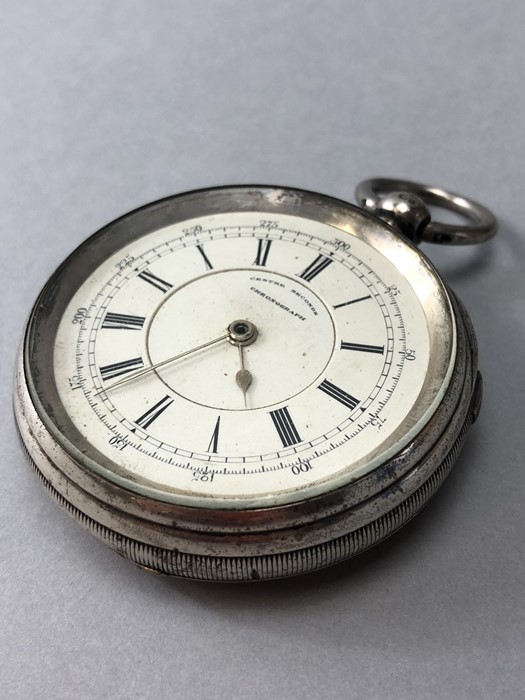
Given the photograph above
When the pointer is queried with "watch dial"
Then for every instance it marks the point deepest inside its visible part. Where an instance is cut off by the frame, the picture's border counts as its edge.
(249, 358)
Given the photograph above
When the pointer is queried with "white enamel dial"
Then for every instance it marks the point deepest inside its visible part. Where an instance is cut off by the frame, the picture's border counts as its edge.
(327, 386)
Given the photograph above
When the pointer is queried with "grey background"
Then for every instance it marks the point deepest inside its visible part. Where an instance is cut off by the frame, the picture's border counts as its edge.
(108, 105)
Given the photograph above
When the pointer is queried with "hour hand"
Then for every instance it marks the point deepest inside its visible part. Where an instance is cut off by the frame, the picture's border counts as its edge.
(243, 377)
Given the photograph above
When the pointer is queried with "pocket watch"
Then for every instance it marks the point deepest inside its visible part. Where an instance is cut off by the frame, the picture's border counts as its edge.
(252, 382)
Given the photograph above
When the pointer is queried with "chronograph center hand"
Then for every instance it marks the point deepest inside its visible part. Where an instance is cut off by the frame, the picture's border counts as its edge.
(157, 365)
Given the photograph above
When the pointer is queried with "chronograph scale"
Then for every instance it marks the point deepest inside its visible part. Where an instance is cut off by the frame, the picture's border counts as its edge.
(246, 382)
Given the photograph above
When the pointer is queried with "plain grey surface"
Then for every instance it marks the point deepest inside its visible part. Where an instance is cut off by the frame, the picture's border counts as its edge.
(108, 105)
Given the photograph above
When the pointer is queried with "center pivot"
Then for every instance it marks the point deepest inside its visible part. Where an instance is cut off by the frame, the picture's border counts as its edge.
(242, 332)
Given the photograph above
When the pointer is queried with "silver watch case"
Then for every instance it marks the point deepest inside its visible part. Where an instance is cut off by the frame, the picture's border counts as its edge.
(260, 543)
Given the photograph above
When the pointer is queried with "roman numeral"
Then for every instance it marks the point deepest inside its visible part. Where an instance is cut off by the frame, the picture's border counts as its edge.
(214, 442)
(155, 281)
(154, 412)
(263, 248)
(338, 394)
(379, 349)
(123, 321)
(209, 266)
(285, 427)
(318, 265)
(352, 301)
(115, 370)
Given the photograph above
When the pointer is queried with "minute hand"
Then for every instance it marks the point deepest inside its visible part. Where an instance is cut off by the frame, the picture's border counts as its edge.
(144, 371)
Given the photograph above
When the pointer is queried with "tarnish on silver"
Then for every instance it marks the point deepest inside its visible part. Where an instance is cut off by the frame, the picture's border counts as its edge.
(403, 205)
(257, 543)
(348, 522)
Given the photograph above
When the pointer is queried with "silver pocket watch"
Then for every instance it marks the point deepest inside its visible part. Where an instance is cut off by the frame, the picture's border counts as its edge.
(252, 382)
